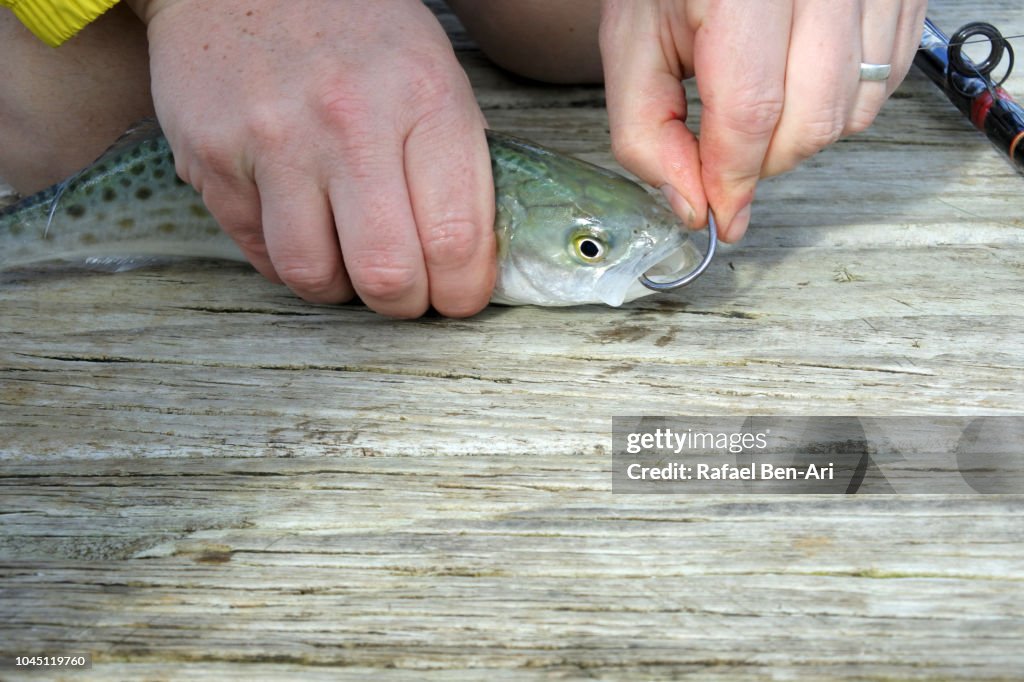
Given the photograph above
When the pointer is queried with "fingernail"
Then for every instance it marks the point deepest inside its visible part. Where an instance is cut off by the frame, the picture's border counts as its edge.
(680, 206)
(738, 226)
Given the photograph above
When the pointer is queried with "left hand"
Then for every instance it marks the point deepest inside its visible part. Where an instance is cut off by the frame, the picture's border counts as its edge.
(779, 81)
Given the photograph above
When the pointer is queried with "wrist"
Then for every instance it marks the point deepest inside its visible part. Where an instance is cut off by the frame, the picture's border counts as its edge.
(147, 9)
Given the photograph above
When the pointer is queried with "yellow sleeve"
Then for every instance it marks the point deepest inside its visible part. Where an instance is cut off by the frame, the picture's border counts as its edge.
(54, 21)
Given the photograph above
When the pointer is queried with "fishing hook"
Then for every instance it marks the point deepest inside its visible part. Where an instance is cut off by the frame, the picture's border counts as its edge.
(693, 274)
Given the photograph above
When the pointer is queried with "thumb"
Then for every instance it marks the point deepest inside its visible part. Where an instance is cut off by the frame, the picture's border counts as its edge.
(647, 108)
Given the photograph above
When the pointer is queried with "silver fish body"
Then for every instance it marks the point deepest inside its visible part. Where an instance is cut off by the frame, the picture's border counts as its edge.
(568, 232)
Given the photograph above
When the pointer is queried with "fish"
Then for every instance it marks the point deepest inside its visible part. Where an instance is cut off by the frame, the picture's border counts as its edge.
(568, 232)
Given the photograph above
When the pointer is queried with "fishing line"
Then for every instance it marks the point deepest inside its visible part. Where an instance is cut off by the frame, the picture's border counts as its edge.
(953, 43)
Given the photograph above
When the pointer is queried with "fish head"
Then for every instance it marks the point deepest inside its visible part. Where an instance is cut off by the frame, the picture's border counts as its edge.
(576, 234)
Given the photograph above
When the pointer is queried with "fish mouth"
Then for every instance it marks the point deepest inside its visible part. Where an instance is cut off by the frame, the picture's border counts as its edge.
(672, 267)
(669, 260)
(674, 283)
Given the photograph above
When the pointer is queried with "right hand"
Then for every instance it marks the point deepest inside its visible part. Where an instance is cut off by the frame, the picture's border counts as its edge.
(338, 143)
(779, 81)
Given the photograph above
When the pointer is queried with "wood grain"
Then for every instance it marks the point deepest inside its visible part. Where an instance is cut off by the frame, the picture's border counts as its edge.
(202, 477)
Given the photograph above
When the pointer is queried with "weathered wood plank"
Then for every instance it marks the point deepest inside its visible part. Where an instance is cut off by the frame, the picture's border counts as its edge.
(753, 338)
(203, 477)
(479, 555)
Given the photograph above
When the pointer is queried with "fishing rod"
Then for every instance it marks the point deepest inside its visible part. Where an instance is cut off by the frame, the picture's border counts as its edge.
(971, 85)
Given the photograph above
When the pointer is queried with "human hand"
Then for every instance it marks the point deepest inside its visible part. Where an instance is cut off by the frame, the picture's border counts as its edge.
(338, 143)
(779, 80)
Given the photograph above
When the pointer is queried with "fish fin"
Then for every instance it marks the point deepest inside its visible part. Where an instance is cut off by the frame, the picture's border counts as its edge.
(58, 191)
(124, 263)
(144, 129)
(141, 130)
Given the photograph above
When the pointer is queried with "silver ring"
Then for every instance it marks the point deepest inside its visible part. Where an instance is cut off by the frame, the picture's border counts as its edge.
(875, 72)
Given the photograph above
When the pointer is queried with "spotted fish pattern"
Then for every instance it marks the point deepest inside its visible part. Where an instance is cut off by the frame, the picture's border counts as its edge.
(130, 203)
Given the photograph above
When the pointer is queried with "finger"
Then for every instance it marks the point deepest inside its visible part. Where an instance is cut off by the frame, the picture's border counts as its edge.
(742, 89)
(647, 106)
(908, 40)
(226, 185)
(377, 233)
(448, 172)
(822, 76)
(300, 237)
(879, 25)
(235, 205)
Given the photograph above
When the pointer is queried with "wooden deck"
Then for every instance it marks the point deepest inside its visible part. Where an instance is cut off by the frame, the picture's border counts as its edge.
(203, 477)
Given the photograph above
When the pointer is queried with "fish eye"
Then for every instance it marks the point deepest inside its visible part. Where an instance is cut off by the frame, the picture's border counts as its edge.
(589, 248)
